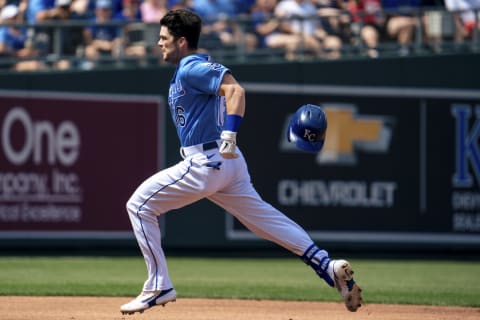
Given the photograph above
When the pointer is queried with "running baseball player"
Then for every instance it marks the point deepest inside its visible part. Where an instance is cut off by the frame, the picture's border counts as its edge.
(207, 105)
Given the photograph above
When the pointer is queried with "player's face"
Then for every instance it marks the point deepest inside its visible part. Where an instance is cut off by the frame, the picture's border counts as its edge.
(168, 46)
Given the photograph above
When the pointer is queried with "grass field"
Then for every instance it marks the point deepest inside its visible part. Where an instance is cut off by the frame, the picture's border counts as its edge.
(404, 282)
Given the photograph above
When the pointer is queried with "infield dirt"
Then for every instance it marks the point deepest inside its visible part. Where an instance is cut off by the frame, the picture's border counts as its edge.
(101, 308)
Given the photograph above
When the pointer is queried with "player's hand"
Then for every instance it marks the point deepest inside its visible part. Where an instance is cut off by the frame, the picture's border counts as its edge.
(229, 144)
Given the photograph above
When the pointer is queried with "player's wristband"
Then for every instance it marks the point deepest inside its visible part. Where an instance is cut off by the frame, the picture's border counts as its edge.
(232, 122)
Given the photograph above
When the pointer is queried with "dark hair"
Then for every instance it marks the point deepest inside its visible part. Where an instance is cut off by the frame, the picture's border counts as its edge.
(183, 23)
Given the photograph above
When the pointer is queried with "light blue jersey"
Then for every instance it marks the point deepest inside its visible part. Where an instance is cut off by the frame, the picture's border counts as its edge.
(197, 111)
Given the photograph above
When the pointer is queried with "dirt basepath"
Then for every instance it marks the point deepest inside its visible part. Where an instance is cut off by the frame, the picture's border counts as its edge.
(99, 308)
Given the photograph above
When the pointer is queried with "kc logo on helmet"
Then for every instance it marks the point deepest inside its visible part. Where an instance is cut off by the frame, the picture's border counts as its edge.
(348, 132)
(310, 135)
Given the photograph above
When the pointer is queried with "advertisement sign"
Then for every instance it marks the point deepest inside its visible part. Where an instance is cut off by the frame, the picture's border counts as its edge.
(397, 165)
(69, 162)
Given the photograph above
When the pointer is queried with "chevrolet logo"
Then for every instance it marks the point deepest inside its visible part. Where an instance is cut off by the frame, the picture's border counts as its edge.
(348, 133)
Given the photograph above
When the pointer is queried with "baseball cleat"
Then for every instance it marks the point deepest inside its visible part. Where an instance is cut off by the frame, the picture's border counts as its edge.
(148, 299)
(342, 275)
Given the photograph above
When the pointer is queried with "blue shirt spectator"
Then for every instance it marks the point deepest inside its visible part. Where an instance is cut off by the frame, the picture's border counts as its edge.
(37, 6)
(212, 9)
(13, 42)
(243, 6)
(101, 38)
(12, 38)
(130, 11)
(98, 31)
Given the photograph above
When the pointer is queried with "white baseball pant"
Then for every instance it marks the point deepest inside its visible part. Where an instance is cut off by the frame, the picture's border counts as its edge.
(205, 174)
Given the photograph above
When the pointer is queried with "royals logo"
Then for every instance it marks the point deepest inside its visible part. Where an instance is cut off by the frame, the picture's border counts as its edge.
(309, 135)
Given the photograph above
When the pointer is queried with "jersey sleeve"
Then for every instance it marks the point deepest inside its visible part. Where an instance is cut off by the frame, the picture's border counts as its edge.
(206, 77)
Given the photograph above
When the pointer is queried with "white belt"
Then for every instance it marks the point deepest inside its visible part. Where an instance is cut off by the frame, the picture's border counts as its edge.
(199, 148)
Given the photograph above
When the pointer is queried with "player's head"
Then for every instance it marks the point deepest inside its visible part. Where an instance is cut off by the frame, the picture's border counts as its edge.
(307, 128)
(183, 23)
(179, 34)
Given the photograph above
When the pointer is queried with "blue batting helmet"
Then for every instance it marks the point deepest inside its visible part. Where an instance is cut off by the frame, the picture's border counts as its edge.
(307, 128)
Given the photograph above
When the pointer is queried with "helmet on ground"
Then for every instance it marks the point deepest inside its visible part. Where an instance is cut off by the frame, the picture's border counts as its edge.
(307, 128)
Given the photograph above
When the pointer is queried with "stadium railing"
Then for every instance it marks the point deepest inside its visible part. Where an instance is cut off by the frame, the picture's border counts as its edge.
(436, 32)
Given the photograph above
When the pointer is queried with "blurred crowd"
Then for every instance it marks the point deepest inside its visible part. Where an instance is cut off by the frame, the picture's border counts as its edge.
(61, 34)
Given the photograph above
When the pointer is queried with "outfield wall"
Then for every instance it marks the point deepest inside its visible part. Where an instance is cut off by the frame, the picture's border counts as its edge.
(400, 168)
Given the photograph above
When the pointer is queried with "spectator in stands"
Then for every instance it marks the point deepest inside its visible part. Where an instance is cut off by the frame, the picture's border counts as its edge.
(214, 8)
(12, 38)
(101, 39)
(38, 11)
(464, 17)
(268, 31)
(153, 10)
(59, 11)
(41, 37)
(401, 22)
(335, 18)
(70, 40)
(134, 33)
(83, 9)
(299, 17)
(14, 45)
(130, 12)
(218, 24)
(369, 19)
(22, 7)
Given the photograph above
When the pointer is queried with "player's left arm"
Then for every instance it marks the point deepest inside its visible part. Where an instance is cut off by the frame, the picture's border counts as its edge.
(235, 104)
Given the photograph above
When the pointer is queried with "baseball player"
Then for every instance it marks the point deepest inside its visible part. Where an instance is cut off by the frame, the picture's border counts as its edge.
(207, 105)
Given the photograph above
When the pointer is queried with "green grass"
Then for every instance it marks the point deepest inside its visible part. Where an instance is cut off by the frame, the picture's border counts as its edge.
(405, 282)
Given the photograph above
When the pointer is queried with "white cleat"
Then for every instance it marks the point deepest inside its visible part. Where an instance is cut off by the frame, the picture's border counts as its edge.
(148, 299)
(342, 274)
